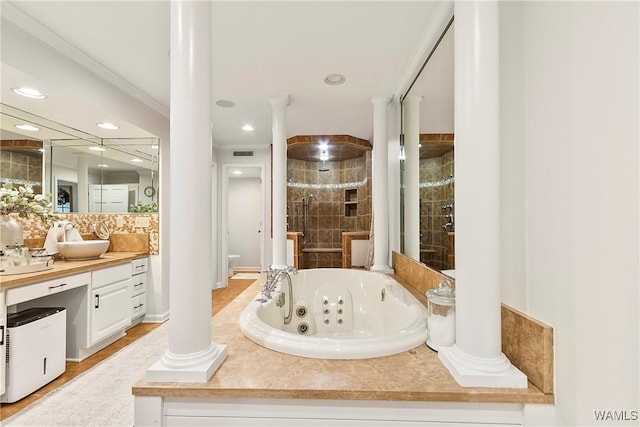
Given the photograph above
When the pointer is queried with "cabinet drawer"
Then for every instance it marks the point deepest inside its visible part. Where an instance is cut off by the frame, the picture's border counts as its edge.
(106, 276)
(138, 305)
(48, 287)
(139, 265)
(138, 284)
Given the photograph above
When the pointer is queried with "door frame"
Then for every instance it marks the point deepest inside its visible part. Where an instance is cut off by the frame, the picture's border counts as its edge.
(224, 234)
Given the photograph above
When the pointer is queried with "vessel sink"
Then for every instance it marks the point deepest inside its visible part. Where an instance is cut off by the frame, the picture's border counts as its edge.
(83, 249)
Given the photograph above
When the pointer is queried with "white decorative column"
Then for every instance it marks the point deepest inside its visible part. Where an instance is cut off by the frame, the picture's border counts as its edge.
(476, 359)
(192, 356)
(380, 186)
(279, 173)
(83, 183)
(411, 130)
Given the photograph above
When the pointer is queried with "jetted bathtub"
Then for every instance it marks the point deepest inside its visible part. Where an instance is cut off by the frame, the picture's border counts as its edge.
(338, 314)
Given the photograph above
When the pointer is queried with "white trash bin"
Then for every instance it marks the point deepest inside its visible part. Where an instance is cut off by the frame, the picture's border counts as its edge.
(36, 350)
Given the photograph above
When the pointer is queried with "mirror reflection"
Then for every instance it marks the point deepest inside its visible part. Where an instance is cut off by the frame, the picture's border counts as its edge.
(84, 173)
(436, 204)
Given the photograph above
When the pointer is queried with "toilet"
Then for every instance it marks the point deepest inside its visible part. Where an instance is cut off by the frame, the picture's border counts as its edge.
(233, 261)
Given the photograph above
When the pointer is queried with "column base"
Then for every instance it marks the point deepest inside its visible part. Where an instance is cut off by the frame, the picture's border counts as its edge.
(192, 368)
(471, 371)
(279, 266)
(384, 269)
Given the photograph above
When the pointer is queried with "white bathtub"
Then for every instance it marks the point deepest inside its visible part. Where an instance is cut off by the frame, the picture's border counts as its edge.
(339, 314)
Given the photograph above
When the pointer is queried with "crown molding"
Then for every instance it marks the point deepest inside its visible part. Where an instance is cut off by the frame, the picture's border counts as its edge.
(12, 13)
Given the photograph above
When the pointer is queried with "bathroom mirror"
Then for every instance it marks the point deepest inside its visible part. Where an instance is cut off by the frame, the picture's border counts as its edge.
(118, 175)
(434, 85)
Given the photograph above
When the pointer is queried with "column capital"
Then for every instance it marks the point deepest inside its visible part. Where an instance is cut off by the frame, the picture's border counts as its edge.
(279, 100)
(379, 99)
(412, 99)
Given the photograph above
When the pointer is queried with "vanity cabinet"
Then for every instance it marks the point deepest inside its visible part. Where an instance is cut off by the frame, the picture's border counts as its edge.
(46, 288)
(109, 301)
(98, 301)
(139, 268)
(3, 347)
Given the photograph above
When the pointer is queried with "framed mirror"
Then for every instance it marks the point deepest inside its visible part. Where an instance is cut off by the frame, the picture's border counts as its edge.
(432, 96)
(84, 173)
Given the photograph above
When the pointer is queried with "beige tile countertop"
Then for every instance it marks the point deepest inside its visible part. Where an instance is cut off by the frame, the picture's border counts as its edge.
(63, 268)
(252, 371)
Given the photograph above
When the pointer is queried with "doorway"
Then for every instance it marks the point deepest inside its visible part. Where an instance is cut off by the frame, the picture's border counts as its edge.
(243, 217)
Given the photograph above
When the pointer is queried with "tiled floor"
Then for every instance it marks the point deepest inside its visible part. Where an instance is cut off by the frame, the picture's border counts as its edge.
(220, 298)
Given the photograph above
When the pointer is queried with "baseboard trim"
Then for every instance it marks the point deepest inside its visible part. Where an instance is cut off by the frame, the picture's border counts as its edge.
(156, 318)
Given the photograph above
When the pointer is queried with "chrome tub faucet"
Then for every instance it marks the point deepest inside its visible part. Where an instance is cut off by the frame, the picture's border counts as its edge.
(274, 275)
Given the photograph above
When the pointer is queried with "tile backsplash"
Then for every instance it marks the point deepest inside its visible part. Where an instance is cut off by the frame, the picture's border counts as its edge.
(117, 224)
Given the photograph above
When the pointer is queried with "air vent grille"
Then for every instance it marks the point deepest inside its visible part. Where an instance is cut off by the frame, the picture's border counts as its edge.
(243, 153)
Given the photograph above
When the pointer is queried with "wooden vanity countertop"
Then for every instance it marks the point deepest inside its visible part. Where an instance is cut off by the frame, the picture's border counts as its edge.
(252, 371)
(63, 268)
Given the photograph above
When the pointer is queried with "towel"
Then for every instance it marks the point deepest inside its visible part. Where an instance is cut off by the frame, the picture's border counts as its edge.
(60, 231)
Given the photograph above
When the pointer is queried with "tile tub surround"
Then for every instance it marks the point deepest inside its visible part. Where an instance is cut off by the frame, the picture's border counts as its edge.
(33, 228)
(347, 238)
(296, 237)
(252, 371)
(527, 342)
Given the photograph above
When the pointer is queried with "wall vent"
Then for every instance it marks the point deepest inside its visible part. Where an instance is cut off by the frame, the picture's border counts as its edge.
(243, 154)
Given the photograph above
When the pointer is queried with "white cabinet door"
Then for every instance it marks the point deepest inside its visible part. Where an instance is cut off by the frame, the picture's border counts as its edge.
(110, 310)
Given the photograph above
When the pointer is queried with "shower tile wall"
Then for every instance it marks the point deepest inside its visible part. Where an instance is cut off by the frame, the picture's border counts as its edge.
(329, 215)
(21, 163)
(433, 237)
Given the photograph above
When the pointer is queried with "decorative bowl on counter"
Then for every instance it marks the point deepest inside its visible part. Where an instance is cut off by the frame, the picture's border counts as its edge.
(82, 249)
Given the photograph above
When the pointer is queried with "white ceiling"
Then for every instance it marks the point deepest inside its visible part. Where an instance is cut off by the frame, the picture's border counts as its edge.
(260, 49)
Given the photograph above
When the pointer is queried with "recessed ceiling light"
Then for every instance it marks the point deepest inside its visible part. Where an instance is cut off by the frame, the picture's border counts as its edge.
(247, 127)
(29, 92)
(97, 148)
(334, 79)
(224, 103)
(31, 128)
(137, 160)
(237, 172)
(102, 165)
(107, 125)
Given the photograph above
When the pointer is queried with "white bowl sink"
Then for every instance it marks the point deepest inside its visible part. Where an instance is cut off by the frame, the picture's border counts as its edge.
(83, 249)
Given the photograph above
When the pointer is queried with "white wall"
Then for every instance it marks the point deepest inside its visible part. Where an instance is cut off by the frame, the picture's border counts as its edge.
(569, 75)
